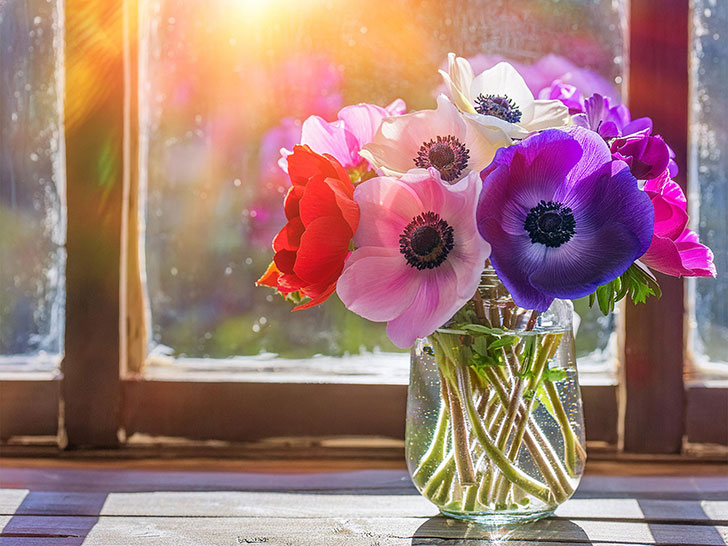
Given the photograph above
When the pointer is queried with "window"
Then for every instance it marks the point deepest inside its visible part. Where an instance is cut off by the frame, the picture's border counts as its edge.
(709, 190)
(32, 188)
(174, 115)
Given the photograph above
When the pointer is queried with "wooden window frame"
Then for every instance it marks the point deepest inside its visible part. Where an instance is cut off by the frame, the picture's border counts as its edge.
(100, 399)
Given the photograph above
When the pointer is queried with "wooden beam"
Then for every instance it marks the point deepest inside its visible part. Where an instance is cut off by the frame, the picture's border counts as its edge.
(94, 107)
(29, 407)
(707, 413)
(654, 403)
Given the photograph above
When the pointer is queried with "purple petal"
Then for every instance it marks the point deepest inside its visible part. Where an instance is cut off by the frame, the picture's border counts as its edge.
(638, 126)
(540, 165)
(595, 155)
(614, 225)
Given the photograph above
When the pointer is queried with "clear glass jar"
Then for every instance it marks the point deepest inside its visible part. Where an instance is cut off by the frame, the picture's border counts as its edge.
(495, 429)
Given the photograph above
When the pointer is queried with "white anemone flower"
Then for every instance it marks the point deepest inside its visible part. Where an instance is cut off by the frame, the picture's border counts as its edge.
(499, 97)
(443, 139)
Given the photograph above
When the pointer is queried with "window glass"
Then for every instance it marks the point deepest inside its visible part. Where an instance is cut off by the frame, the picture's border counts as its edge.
(709, 180)
(32, 185)
(225, 84)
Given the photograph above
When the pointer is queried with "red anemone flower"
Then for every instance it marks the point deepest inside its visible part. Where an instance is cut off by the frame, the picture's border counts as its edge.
(312, 247)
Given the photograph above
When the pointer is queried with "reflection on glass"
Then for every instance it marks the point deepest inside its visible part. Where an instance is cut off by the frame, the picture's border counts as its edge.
(32, 184)
(226, 85)
(709, 181)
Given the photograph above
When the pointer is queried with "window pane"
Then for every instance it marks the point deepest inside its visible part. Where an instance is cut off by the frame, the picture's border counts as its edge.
(226, 85)
(32, 185)
(709, 179)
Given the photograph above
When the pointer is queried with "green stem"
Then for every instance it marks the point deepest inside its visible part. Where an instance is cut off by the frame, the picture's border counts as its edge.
(546, 353)
(514, 474)
(436, 451)
(541, 451)
(461, 446)
(566, 430)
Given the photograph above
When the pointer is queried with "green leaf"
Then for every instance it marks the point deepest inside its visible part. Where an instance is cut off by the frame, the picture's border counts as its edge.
(543, 398)
(504, 341)
(554, 374)
(480, 345)
(637, 282)
(452, 331)
(480, 329)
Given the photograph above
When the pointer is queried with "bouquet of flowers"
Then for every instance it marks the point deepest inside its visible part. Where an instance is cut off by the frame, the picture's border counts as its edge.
(463, 228)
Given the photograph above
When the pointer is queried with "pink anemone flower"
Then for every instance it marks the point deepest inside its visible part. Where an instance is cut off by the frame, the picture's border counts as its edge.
(344, 138)
(419, 255)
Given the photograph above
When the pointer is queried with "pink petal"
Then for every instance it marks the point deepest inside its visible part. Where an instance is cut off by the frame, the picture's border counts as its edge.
(386, 206)
(362, 121)
(377, 283)
(396, 108)
(435, 303)
(330, 138)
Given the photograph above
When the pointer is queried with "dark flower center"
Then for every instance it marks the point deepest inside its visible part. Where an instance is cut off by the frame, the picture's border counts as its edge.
(446, 154)
(426, 241)
(500, 107)
(551, 224)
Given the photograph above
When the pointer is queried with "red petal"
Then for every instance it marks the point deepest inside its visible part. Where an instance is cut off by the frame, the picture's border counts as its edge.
(270, 277)
(318, 299)
(304, 163)
(291, 203)
(323, 250)
(289, 238)
(285, 260)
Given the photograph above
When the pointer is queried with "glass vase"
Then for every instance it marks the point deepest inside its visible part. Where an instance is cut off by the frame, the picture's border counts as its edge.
(495, 429)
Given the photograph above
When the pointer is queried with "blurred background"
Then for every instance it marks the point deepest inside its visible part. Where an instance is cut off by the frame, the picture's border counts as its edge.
(224, 85)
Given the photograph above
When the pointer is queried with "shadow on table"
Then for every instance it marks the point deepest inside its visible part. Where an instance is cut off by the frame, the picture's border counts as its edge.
(552, 531)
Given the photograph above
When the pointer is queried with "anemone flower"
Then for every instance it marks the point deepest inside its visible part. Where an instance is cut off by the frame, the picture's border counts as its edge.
(499, 97)
(312, 247)
(419, 255)
(675, 250)
(561, 216)
(344, 138)
(441, 138)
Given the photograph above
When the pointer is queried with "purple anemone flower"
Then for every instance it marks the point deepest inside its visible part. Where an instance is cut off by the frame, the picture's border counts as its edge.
(610, 121)
(561, 216)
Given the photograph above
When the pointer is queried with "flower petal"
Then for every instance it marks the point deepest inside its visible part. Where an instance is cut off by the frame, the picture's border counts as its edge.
(330, 138)
(362, 121)
(399, 139)
(387, 205)
(435, 303)
(324, 246)
(377, 283)
(502, 80)
(548, 114)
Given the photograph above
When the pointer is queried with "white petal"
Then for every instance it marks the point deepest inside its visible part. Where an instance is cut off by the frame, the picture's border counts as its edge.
(399, 139)
(548, 114)
(482, 141)
(502, 80)
(459, 78)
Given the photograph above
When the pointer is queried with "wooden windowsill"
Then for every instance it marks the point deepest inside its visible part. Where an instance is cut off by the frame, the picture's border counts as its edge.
(203, 501)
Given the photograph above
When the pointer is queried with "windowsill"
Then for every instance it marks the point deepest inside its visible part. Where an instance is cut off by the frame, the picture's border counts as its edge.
(366, 369)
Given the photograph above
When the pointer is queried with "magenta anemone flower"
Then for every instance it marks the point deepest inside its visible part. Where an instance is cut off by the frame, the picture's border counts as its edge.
(561, 216)
(675, 250)
(419, 256)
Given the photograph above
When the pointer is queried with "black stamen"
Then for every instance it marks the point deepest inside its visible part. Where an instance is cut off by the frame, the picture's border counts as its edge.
(500, 107)
(446, 154)
(551, 224)
(426, 241)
